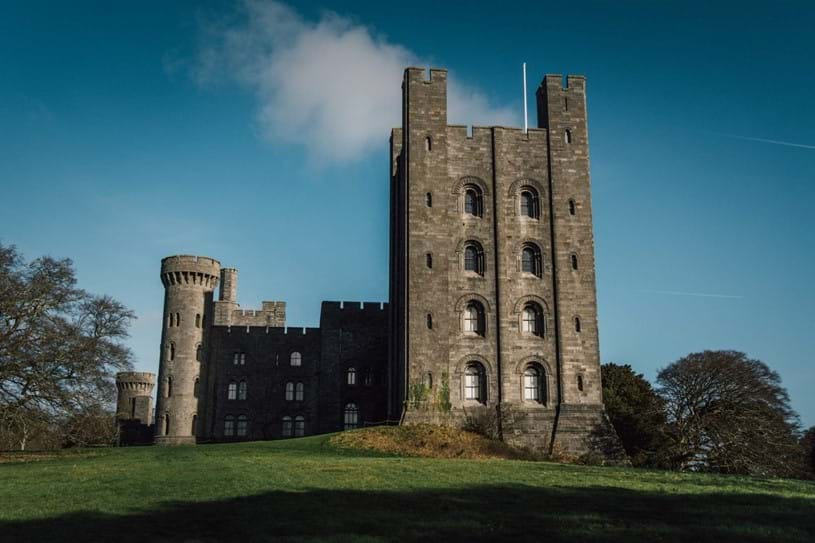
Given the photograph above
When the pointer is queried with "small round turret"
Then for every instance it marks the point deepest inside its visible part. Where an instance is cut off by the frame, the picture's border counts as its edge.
(134, 400)
(189, 282)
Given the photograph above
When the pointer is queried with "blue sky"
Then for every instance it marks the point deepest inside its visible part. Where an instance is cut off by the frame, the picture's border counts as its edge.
(256, 133)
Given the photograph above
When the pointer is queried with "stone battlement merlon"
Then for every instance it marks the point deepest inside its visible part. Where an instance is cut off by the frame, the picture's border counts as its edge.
(273, 330)
(186, 270)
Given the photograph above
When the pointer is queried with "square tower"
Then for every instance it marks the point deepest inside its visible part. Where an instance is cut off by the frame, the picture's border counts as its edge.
(492, 284)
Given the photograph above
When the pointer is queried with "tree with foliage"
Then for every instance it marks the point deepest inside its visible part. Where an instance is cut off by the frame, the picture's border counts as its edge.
(808, 443)
(637, 413)
(59, 347)
(729, 413)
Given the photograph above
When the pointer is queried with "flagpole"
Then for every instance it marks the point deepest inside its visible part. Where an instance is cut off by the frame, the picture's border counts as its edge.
(526, 122)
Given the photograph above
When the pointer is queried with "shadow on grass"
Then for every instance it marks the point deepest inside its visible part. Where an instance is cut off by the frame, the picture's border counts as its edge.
(484, 513)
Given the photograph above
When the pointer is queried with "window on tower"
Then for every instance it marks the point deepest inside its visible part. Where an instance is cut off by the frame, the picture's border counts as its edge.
(529, 203)
(531, 260)
(473, 258)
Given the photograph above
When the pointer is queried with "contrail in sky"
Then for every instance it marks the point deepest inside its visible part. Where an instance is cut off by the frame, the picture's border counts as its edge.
(774, 142)
(696, 294)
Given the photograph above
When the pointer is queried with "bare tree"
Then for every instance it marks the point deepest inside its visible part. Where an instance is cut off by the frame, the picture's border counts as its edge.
(59, 346)
(729, 413)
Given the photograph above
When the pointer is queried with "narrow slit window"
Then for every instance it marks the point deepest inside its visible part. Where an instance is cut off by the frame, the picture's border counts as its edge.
(198, 320)
(429, 321)
(574, 262)
(577, 324)
(428, 199)
(572, 208)
(429, 260)
(568, 136)
(580, 383)
(428, 144)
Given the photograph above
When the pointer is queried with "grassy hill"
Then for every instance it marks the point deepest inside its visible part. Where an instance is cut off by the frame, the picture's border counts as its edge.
(315, 489)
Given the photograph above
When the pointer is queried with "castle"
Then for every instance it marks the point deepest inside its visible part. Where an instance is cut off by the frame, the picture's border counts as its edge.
(492, 302)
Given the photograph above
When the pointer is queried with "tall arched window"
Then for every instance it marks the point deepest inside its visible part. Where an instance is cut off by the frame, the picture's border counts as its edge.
(474, 318)
(531, 261)
(534, 384)
(243, 426)
(532, 321)
(350, 416)
(473, 201)
(574, 262)
(298, 392)
(172, 351)
(289, 392)
(299, 426)
(530, 207)
(199, 353)
(351, 376)
(198, 320)
(296, 359)
(287, 427)
(474, 383)
(232, 391)
(473, 258)
(229, 426)
(168, 391)
(242, 390)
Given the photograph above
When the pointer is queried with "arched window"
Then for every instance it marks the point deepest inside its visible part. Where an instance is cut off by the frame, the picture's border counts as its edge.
(229, 426)
(473, 258)
(473, 201)
(474, 383)
(368, 378)
(427, 380)
(351, 376)
(577, 324)
(232, 391)
(530, 207)
(289, 392)
(429, 260)
(574, 262)
(298, 392)
(531, 261)
(572, 207)
(243, 426)
(194, 428)
(580, 383)
(532, 321)
(534, 384)
(287, 427)
(199, 352)
(567, 136)
(428, 144)
(296, 359)
(167, 424)
(195, 386)
(474, 318)
(299, 426)
(198, 320)
(242, 390)
(169, 387)
(172, 351)
(350, 416)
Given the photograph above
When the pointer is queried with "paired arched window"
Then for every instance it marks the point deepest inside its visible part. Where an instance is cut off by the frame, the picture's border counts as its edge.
(243, 426)
(530, 203)
(473, 318)
(532, 321)
(351, 376)
(531, 261)
(287, 427)
(534, 381)
(289, 391)
(473, 201)
(232, 391)
(350, 416)
(242, 390)
(299, 390)
(475, 383)
(229, 426)
(239, 359)
(474, 258)
(296, 359)
(299, 426)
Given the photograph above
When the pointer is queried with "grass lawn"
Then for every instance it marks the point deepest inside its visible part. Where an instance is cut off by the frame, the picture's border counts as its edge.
(308, 489)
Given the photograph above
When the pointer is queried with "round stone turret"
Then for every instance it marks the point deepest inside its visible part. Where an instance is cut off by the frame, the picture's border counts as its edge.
(134, 399)
(189, 282)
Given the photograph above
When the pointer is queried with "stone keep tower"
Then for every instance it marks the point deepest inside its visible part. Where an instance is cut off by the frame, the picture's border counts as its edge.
(134, 401)
(189, 282)
(492, 267)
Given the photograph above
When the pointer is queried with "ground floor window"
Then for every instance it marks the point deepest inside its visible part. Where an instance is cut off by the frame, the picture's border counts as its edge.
(243, 426)
(287, 427)
(351, 417)
(229, 426)
(299, 426)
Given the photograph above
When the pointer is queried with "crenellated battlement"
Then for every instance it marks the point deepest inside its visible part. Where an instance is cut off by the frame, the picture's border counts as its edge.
(272, 314)
(273, 330)
(190, 270)
(136, 381)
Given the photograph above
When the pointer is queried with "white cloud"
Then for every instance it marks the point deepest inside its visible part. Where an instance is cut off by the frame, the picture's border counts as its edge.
(330, 85)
